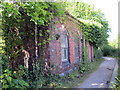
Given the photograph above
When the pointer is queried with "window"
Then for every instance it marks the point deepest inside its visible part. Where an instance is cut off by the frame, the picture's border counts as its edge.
(77, 49)
(64, 47)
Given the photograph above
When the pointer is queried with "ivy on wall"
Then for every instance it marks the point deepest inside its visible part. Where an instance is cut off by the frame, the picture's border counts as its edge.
(40, 14)
(93, 25)
(15, 15)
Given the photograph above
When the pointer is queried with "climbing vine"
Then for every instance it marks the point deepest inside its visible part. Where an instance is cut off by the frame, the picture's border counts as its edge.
(20, 20)
(93, 24)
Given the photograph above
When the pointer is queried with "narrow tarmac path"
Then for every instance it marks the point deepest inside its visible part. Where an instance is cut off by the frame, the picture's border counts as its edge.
(102, 76)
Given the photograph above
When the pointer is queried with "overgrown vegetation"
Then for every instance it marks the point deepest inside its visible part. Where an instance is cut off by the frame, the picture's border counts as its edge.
(11, 78)
(110, 51)
(85, 63)
(98, 53)
(19, 21)
(94, 25)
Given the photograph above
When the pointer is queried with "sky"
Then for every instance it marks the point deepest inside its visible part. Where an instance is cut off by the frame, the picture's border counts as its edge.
(110, 9)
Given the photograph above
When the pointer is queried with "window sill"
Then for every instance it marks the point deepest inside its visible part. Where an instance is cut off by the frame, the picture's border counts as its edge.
(65, 63)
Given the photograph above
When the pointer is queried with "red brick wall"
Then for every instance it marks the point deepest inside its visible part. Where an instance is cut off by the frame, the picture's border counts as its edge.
(70, 29)
(53, 51)
(90, 51)
(71, 50)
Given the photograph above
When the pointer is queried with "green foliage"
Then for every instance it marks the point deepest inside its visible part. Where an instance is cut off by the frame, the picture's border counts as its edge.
(41, 13)
(97, 53)
(119, 52)
(114, 43)
(1, 43)
(97, 36)
(38, 11)
(116, 86)
(93, 23)
(3, 62)
(14, 18)
(57, 8)
(85, 63)
(109, 51)
(13, 79)
(42, 77)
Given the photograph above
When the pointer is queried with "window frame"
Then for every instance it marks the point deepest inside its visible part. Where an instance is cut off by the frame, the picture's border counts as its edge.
(64, 47)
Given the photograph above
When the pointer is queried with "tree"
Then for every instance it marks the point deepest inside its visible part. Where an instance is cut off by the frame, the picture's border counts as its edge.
(94, 25)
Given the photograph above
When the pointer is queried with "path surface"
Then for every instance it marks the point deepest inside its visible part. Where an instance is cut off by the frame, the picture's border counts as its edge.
(102, 76)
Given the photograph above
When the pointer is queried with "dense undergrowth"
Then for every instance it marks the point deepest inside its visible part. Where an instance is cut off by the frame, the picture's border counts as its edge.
(110, 51)
(17, 17)
(22, 78)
